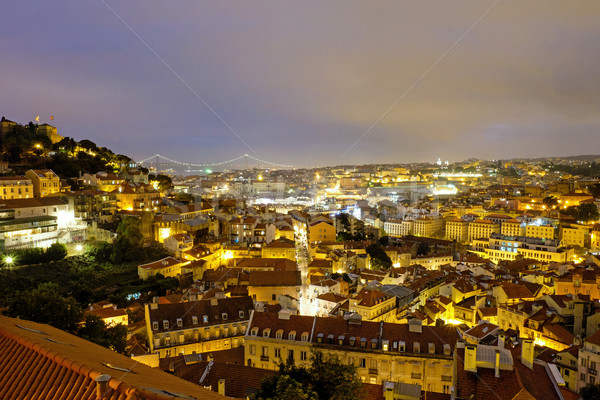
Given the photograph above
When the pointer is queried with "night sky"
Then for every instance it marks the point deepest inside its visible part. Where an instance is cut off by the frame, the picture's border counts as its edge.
(300, 82)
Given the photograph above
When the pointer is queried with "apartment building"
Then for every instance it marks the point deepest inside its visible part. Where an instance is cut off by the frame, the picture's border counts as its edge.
(427, 227)
(502, 247)
(408, 353)
(398, 228)
(482, 228)
(45, 182)
(197, 326)
(15, 187)
(457, 229)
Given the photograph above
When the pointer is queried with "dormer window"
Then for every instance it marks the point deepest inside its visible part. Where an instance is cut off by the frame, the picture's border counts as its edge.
(292, 335)
(194, 320)
(154, 325)
(205, 319)
(304, 337)
(179, 322)
(416, 347)
(165, 324)
(254, 331)
(279, 334)
(267, 332)
(431, 348)
(352, 341)
(319, 337)
(241, 314)
(224, 316)
(341, 340)
(363, 343)
(402, 346)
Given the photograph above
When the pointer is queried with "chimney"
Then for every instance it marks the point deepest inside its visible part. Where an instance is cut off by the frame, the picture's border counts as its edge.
(471, 358)
(222, 387)
(415, 325)
(501, 338)
(388, 391)
(101, 385)
(527, 349)
(497, 364)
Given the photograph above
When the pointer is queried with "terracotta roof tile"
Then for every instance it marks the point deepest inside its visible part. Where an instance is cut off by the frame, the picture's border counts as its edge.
(42, 362)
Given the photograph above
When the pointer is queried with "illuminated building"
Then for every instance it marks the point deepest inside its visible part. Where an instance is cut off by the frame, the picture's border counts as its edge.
(15, 187)
(197, 326)
(409, 353)
(34, 222)
(482, 228)
(45, 182)
(457, 229)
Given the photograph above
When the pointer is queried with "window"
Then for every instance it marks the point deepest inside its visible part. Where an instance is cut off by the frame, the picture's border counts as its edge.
(205, 319)
(279, 334)
(304, 337)
(292, 335)
(167, 340)
(362, 362)
(291, 355)
(303, 355)
(273, 297)
(194, 320)
(165, 324)
(179, 322)
(277, 352)
(224, 316)
(265, 351)
(241, 314)
(582, 377)
(254, 331)
(154, 325)
(252, 349)
(267, 332)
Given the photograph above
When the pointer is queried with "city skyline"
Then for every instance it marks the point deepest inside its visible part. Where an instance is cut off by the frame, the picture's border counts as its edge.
(309, 84)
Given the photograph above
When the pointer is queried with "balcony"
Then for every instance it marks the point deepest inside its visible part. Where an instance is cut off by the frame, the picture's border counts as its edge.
(415, 376)
(373, 371)
(264, 358)
(592, 371)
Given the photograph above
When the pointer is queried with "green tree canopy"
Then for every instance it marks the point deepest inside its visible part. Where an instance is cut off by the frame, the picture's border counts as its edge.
(379, 259)
(95, 330)
(583, 212)
(46, 305)
(328, 378)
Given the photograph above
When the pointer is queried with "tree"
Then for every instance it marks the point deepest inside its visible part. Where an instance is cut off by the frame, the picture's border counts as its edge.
(550, 201)
(46, 305)
(95, 330)
(56, 252)
(423, 249)
(129, 242)
(328, 378)
(590, 392)
(379, 259)
(163, 182)
(583, 212)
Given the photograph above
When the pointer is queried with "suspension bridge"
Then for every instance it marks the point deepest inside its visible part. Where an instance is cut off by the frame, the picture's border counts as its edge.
(158, 162)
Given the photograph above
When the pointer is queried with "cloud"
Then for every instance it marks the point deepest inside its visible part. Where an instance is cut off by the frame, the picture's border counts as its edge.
(302, 81)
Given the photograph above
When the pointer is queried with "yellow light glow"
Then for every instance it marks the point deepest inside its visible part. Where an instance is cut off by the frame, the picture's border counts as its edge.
(260, 177)
(165, 233)
(227, 255)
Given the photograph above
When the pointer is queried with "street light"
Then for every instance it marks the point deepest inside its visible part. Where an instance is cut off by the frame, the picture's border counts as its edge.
(78, 247)
(9, 260)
